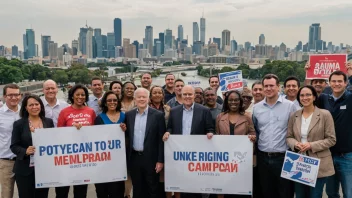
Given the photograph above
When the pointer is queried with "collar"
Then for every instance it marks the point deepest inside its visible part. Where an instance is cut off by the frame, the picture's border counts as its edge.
(145, 111)
(94, 98)
(279, 99)
(336, 98)
(45, 102)
(191, 109)
(6, 108)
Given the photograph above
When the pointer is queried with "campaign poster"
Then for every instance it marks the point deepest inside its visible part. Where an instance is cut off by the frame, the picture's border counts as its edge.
(300, 168)
(322, 65)
(231, 81)
(66, 156)
(221, 165)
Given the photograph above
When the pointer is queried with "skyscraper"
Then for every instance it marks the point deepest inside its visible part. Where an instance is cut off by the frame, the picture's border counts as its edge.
(136, 43)
(233, 46)
(15, 51)
(180, 33)
(29, 44)
(83, 40)
(262, 39)
(89, 43)
(217, 41)
(299, 46)
(247, 46)
(105, 45)
(168, 39)
(202, 29)
(314, 35)
(195, 32)
(53, 50)
(75, 46)
(149, 39)
(111, 45)
(98, 42)
(45, 45)
(162, 41)
(118, 31)
(158, 48)
(225, 39)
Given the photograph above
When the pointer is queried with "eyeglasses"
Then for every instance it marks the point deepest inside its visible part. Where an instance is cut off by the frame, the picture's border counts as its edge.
(305, 95)
(111, 100)
(13, 95)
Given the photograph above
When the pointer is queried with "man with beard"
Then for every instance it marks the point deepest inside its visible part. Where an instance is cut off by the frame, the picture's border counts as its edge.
(291, 86)
(199, 98)
(177, 100)
(97, 87)
(146, 80)
(214, 83)
(210, 102)
(169, 87)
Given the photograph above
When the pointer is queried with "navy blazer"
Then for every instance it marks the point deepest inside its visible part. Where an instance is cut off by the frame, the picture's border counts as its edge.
(21, 140)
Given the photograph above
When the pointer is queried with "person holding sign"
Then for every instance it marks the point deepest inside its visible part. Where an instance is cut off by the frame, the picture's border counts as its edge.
(111, 114)
(32, 115)
(77, 115)
(311, 132)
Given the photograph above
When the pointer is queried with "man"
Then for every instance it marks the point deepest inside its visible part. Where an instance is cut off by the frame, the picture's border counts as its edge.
(321, 86)
(210, 102)
(145, 146)
(169, 87)
(53, 106)
(247, 100)
(214, 83)
(339, 103)
(291, 86)
(97, 87)
(257, 92)
(270, 119)
(9, 113)
(199, 98)
(146, 80)
(190, 119)
(177, 100)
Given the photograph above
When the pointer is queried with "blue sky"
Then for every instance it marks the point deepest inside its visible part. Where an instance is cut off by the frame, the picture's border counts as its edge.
(280, 20)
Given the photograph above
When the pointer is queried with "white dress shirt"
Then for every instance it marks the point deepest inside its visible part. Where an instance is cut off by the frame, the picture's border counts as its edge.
(7, 118)
(53, 112)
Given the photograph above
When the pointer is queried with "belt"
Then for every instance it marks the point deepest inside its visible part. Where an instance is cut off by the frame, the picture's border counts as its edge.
(271, 154)
(137, 152)
(9, 159)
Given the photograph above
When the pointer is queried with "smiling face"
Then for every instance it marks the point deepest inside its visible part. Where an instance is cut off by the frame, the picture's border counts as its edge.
(111, 102)
(97, 87)
(169, 81)
(319, 85)
(129, 90)
(291, 88)
(258, 92)
(33, 107)
(116, 88)
(199, 95)
(234, 102)
(50, 89)
(178, 87)
(12, 97)
(79, 97)
(338, 84)
(306, 97)
(188, 96)
(141, 98)
(214, 83)
(146, 81)
(271, 88)
(157, 95)
(210, 98)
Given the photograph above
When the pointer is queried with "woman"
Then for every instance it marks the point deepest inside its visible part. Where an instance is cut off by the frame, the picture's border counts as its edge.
(116, 87)
(32, 117)
(127, 102)
(157, 100)
(234, 121)
(311, 132)
(111, 107)
(77, 115)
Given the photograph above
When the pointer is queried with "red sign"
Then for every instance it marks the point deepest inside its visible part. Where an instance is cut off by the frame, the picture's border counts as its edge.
(234, 85)
(322, 65)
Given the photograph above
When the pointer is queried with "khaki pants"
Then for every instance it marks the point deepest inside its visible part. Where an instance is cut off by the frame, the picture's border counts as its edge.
(7, 178)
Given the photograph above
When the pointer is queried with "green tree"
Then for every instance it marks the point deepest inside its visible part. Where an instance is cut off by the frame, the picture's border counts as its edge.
(60, 76)
(10, 74)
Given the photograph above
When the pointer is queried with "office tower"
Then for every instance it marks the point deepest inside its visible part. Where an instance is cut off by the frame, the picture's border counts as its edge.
(117, 31)
(262, 39)
(225, 39)
(118, 51)
(111, 45)
(213, 49)
(158, 48)
(83, 40)
(188, 53)
(162, 41)
(195, 31)
(143, 53)
(126, 42)
(314, 36)
(217, 41)
(330, 49)
(45, 45)
(154, 46)
(180, 33)
(104, 39)
(75, 46)
(130, 51)
(283, 47)
(202, 29)
(15, 51)
(148, 39)
(197, 47)
(36, 50)
(247, 46)
(136, 43)
(53, 50)
(299, 46)
(168, 39)
(60, 53)
(29, 44)
(319, 45)
(305, 47)
(233, 46)
(98, 42)
(89, 43)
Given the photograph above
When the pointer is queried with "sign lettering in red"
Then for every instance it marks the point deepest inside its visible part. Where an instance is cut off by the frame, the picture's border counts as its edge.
(322, 65)
(235, 85)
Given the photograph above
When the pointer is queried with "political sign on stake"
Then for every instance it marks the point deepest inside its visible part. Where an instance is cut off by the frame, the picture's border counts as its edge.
(231, 81)
(67, 156)
(195, 164)
(322, 65)
(300, 168)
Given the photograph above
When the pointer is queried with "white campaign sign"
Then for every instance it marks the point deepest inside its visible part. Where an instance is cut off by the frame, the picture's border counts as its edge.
(67, 156)
(222, 165)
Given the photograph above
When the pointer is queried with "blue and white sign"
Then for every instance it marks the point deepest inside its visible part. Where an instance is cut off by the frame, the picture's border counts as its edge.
(300, 168)
(231, 81)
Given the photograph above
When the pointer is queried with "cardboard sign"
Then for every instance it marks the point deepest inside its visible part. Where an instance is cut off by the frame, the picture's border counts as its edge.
(322, 65)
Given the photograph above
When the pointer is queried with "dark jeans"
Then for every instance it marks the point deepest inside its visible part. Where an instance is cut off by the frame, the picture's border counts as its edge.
(26, 187)
(269, 170)
(304, 191)
(257, 190)
(110, 189)
(79, 191)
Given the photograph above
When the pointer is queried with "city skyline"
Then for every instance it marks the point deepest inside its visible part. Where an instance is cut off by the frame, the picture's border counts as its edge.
(277, 29)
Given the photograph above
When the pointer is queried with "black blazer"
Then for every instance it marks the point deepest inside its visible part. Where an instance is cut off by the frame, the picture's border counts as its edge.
(202, 122)
(21, 140)
(155, 129)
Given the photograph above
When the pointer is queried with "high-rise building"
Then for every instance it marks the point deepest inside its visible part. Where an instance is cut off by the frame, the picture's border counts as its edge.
(225, 39)
(75, 46)
(53, 53)
(283, 47)
(45, 45)
(126, 42)
(98, 42)
(314, 36)
(202, 29)
(262, 39)
(180, 33)
(162, 41)
(247, 46)
(148, 40)
(36, 50)
(15, 51)
(29, 44)
(299, 46)
(111, 45)
(168, 39)
(117, 31)
(136, 43)
(158, 48)
(154, 46)
(105, 45)
(195, 32)
(130, 51)
(197, 47)
(118, 51)
(217, 41)
(233, 46)
(89, 43)
(213, 49)
(83, 40)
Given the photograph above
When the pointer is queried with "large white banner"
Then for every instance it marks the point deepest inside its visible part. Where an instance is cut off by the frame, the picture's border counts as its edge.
(67, 156)
(222, 165)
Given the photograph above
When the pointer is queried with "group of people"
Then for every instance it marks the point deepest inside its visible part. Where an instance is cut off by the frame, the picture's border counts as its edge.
(308, 120)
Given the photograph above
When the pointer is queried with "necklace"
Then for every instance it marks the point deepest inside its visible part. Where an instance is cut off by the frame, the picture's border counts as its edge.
(35, 125)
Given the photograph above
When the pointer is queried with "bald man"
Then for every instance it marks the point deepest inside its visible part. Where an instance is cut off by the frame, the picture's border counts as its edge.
(53, 106)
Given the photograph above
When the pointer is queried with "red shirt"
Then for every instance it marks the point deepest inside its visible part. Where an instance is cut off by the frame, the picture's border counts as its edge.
(70, 115)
